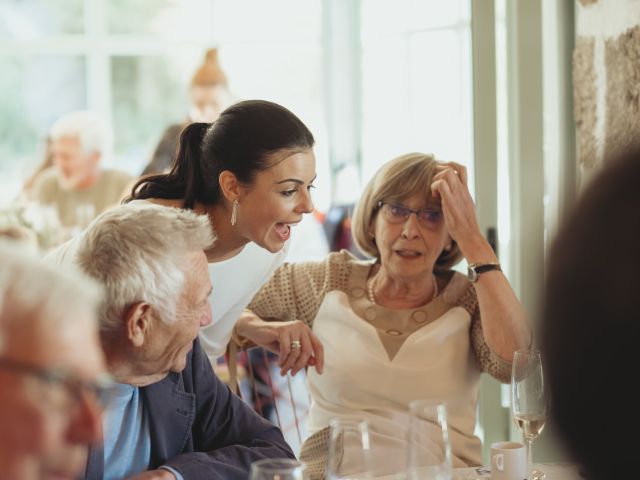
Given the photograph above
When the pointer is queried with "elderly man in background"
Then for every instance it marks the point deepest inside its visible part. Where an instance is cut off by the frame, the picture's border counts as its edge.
(171, 416)
(51, 369)
(77, 186)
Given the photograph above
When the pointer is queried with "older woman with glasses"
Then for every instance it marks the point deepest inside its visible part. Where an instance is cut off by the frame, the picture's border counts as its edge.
(400, 327)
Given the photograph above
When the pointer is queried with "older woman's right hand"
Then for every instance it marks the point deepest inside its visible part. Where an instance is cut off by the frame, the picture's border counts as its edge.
(450, 185)
(294, 342)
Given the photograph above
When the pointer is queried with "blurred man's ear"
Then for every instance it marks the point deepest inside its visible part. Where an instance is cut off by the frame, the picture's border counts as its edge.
(138, 322)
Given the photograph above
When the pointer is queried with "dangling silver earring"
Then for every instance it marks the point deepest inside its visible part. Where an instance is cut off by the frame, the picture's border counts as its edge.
(234, 212)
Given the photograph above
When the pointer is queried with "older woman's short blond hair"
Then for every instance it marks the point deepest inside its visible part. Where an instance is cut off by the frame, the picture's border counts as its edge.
(401, 178)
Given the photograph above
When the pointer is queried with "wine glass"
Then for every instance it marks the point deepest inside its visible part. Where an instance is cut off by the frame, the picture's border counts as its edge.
(278, 469)
(528, 402)
(349, 450)
(429, 447)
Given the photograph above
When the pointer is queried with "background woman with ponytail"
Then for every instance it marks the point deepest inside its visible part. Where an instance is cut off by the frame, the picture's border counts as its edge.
(251, 172)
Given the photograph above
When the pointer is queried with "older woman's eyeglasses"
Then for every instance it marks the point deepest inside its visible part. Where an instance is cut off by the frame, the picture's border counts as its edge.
(398, 213)
(101, 388)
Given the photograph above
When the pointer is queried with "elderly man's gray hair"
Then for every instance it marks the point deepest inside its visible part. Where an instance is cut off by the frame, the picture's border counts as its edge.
(88, 127)
(135, 251)
(39, 297)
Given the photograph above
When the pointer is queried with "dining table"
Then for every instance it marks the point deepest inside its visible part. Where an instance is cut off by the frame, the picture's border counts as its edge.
(552, 471)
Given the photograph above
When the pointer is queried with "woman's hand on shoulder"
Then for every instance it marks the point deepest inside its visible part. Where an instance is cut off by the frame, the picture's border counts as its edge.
(294, 342)
(298, 347)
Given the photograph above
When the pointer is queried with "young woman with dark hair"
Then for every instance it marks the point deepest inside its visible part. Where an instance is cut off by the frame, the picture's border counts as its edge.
(251, 172)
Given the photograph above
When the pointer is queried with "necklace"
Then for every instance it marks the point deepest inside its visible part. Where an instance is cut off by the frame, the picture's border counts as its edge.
(372, 295)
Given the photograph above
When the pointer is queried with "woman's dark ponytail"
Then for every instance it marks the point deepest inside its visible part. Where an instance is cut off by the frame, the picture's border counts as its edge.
(240, 141)
(187, 166)
(185, 179)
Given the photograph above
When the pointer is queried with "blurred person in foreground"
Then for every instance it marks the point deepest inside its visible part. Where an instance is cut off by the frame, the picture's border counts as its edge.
(77, 186)
(171, 417)
(52, 371)
(208, 96)
(402, 326)
(591, 323)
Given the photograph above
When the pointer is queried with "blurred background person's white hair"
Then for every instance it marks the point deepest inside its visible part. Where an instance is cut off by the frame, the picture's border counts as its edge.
(88, 127)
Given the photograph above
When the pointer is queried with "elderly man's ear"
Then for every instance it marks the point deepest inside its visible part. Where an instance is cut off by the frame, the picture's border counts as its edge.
(138, 322)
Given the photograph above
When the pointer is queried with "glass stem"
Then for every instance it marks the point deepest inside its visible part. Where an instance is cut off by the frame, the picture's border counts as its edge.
(529, 460)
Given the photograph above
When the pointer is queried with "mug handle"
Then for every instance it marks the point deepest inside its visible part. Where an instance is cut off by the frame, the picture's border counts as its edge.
(499, 461)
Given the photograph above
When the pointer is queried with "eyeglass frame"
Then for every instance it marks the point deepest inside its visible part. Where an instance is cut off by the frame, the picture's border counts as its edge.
(102, 387)
(409, 211)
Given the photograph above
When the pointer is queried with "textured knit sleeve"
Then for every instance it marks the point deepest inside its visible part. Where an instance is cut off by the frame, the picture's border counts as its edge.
(489, 362)
(295, 291)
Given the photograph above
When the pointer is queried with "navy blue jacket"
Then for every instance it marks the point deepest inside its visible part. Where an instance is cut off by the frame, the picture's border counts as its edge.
(200, 428)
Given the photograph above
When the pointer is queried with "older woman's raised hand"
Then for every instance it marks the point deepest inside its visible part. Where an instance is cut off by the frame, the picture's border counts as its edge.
(294, 342)
(450, 185)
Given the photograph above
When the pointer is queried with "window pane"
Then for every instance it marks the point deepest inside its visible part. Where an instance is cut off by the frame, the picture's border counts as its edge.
(148, 96)
(29, 105)
(169, 19)
(217, 21)
(440, 82)
(294, 80)
(382, 17)
(257, 20)
(29, 19)
(294, 72)
(416, 82)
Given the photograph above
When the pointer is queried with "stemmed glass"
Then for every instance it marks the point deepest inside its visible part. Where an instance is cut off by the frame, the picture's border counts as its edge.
(528, 402)
(278, 469)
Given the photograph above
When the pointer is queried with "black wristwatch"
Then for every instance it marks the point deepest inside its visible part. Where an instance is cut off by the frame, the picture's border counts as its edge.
(474, 270)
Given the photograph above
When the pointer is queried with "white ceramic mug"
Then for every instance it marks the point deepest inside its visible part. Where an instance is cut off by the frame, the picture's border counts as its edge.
(508, 461)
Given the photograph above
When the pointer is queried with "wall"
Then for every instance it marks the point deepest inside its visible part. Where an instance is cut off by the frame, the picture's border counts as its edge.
(606, 71)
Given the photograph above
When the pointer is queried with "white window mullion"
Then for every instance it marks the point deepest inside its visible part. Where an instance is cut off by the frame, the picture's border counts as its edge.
(343, 81)
(99, 95)
(559, 127)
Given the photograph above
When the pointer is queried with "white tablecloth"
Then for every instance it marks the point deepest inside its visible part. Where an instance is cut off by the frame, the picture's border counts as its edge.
(554, 471)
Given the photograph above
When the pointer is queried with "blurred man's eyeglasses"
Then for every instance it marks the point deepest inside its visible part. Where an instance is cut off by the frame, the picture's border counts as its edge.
(398, 213)
(101, 388)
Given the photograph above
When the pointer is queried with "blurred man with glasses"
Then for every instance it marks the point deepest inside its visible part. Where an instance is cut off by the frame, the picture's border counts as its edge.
(52, 368)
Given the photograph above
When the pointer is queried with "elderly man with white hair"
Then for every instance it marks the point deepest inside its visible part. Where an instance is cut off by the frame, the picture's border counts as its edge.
(52, 371)
(171, 416)
(76, 185)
